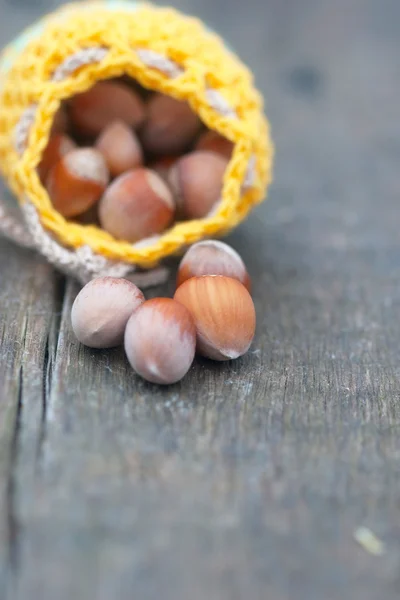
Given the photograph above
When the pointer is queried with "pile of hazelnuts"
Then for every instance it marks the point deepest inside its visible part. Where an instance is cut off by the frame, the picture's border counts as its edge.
(132, 161)
(212, 313)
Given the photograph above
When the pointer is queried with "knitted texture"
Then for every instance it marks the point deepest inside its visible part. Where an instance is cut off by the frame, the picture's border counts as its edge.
(80, 44)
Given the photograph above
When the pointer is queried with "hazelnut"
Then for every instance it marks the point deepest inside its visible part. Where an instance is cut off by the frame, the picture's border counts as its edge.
(160, 341)
(212, 257)
(197, 181)
(60, 121)
(105, 102)
(59, 145)
(211, 141)
(136, 205)
(170, 127)
(224, 315)
(120, 148)
(102, 309)
(77, 181)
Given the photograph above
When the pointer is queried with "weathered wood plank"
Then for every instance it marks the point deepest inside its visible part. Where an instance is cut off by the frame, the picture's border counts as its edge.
(27, 307)
(247, 479)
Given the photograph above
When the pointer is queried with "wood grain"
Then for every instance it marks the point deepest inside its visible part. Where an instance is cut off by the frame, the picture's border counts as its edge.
(246, 480)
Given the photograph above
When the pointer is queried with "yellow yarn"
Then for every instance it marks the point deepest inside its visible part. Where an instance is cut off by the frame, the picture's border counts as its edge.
(205, 63)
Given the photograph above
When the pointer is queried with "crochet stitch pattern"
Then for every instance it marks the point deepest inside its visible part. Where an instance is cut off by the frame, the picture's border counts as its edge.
(67, 53)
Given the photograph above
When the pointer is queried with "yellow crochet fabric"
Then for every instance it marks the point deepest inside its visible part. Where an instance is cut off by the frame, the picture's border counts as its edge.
(68, 51)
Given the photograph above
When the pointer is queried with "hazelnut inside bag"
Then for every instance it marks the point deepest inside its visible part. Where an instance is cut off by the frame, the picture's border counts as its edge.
(70, 51)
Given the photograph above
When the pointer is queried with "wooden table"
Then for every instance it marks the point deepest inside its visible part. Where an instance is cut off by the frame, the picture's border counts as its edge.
(247, 480)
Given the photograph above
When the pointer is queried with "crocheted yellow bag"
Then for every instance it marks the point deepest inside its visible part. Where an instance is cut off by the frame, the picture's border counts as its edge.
(65, 54)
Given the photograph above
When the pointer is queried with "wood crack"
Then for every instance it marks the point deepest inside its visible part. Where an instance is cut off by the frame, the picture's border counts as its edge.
(13, 526)
(50, 356)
